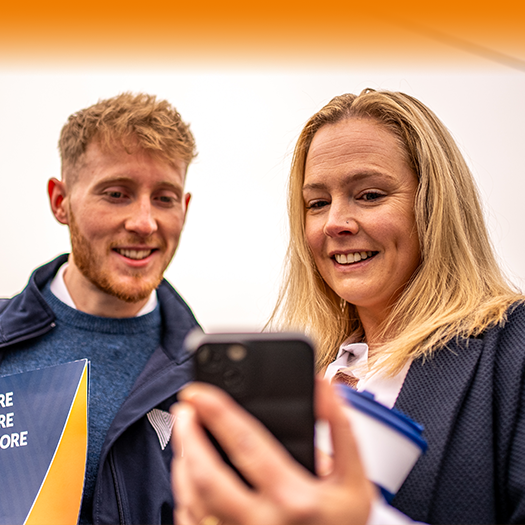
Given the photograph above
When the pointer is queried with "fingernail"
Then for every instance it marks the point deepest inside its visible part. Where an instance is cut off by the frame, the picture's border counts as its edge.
(182, 412)
(187, 392)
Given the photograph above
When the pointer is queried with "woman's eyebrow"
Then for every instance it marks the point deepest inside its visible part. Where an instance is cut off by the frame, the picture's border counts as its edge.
(314, 186)
(354, 177)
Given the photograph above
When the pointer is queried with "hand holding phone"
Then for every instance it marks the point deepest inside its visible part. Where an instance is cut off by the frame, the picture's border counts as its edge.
(280, 491)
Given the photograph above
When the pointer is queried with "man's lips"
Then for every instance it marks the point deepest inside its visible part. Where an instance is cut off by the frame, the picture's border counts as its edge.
(354, 257)
(135, 254)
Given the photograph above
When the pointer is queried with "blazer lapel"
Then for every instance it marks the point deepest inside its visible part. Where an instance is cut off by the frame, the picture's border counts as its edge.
(432, 395)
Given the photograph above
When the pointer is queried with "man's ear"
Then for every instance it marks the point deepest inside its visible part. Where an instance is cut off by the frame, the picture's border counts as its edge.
(187, 199)
(56, 190)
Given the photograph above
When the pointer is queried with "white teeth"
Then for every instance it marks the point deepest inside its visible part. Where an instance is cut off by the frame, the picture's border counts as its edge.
(134, 254)
(351, 258)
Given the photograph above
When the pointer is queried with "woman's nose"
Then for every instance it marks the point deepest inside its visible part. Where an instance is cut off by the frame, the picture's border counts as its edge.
(340, 221)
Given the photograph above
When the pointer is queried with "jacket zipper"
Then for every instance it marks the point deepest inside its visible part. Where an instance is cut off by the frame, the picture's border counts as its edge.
(120, 506)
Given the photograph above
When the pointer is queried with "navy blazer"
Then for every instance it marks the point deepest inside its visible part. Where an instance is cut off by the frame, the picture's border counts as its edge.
(470, 398)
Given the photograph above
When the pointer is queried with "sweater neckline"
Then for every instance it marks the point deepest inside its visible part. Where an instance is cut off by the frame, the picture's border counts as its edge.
(93, 323)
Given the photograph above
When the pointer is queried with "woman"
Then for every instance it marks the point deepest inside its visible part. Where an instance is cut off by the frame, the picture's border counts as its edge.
(391, 271)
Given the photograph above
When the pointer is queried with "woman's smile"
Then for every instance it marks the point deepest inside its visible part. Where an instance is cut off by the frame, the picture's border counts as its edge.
(352, 257)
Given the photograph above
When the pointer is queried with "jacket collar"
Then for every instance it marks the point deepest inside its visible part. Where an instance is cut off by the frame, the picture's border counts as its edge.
(27, 314)
(444, 377)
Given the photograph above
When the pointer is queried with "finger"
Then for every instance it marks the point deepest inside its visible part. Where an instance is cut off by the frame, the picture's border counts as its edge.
(250, 446)
(188, 506)
(330, 407)
(184, 517)
(204, 484)
(324, 464)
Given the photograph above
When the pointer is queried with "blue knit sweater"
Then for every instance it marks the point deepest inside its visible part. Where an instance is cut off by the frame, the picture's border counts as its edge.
(118, 350)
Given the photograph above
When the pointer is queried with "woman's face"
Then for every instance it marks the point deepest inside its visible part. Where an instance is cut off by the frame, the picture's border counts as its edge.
(359, 194)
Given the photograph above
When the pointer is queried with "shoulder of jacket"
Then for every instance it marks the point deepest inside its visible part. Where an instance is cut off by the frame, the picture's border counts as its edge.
(513, 327)
(506, 341)
(4, 302)
(516, 313)
(27, 315)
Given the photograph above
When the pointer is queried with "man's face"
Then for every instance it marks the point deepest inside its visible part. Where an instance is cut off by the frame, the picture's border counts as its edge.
(125, 213)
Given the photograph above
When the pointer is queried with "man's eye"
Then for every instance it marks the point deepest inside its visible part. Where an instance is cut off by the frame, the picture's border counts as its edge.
(115, 194)
(166, 199)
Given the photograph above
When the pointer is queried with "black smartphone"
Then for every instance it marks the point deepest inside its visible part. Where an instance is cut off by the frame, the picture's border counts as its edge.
(271, 375)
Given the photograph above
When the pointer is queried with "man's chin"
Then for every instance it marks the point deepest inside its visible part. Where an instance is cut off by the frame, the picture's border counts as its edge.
(133, 298)
(129, 292)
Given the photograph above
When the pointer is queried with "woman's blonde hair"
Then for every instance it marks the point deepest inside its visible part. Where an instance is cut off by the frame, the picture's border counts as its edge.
(457, 291)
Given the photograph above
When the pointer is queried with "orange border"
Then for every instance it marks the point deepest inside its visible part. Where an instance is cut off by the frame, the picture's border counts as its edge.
(335, 32)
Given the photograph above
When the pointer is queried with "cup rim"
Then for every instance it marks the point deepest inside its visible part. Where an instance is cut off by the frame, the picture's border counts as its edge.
(365, 402)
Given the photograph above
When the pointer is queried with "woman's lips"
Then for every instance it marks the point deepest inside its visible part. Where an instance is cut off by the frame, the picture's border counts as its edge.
(351, 258)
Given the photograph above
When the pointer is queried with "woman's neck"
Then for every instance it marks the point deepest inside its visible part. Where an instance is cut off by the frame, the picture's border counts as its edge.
(373, 327)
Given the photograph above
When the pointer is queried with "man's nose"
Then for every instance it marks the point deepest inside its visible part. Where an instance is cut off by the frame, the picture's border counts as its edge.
(142, 218)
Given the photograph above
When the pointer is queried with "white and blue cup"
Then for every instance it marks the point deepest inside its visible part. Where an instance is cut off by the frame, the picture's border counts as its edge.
(389, 442)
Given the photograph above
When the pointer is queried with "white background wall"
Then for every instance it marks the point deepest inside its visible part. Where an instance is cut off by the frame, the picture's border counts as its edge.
(245, 123)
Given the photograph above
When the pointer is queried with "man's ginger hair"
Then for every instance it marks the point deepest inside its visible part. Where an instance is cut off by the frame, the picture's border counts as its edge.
(131, 121)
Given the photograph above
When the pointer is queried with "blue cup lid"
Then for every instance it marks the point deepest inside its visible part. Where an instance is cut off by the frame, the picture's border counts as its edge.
(365, 402)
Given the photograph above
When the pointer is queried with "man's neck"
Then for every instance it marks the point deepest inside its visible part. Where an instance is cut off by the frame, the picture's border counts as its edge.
(91, 300)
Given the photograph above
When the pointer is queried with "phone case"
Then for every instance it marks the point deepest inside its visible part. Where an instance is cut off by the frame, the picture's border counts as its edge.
(271, 375)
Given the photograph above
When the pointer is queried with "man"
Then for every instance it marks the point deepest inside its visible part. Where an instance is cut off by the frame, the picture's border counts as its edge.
(121, 193)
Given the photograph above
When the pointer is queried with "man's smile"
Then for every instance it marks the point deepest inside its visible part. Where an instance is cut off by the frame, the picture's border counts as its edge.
(134, 254)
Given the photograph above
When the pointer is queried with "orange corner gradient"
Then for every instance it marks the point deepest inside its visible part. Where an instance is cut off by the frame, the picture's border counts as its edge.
(271, 32)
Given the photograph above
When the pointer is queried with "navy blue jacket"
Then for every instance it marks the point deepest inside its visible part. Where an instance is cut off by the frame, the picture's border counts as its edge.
(133, 483)
(471, 399)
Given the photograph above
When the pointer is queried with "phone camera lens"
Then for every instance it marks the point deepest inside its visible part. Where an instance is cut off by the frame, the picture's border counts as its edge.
(236, 352)
(233, 380)
(209, 358)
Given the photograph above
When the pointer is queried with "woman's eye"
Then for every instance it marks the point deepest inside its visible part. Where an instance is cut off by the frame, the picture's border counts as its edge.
(371, 196)
(315, 205)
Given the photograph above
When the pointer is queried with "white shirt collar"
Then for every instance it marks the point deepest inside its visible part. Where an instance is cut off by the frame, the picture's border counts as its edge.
(60, 291)
(350, 354)
(385, 389)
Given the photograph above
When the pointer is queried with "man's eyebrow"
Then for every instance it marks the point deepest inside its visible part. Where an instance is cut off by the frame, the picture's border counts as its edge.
(115, 179)
(130, 180)
(355, 177)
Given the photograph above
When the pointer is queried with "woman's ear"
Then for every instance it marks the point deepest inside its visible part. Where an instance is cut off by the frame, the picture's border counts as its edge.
(56, 190)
